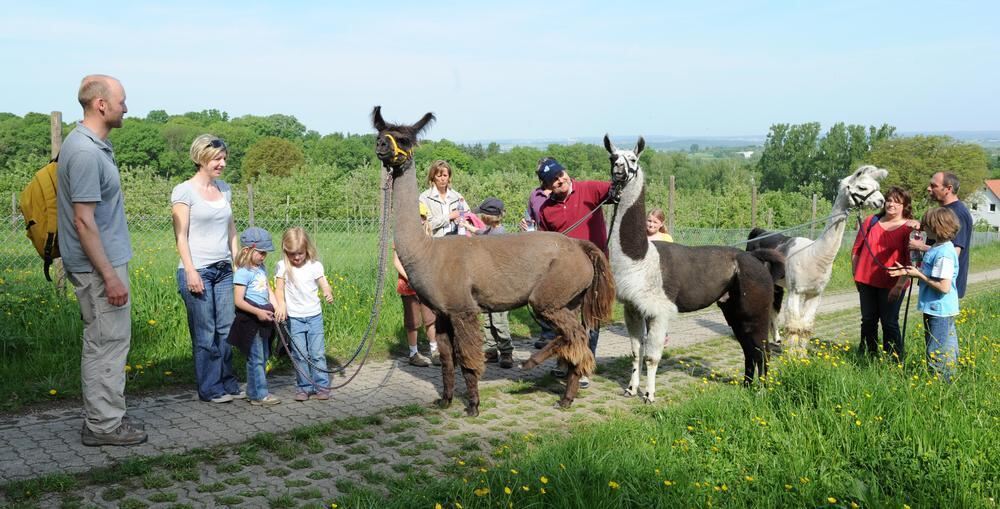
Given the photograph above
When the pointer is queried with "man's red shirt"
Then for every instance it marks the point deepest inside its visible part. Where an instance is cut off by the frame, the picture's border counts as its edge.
(558, 215)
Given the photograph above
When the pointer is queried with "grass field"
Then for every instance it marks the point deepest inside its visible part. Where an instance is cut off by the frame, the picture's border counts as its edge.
(830, 430)
(40, 327)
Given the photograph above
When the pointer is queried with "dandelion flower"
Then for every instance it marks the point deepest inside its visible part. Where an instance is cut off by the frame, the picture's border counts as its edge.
(831, 500)
(168, 373)
(52, 392)
(481, 492)
(513, 471)
(613, 485)
(437, 506)
(138, 366)
(151, 322)
(545, 480)
(507, 490)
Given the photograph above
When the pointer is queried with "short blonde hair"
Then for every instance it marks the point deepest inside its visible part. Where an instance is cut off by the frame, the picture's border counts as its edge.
(243, 258)
(92, 87)
(490, 220)
(206, 147)
(942, 222)
(436, 168)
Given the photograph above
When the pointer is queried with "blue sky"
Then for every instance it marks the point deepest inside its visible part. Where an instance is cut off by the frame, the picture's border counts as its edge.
(520, 70)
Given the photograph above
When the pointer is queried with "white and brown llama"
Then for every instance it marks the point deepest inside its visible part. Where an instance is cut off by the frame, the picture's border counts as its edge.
(809, 263)
(460, 277)
(656, 280)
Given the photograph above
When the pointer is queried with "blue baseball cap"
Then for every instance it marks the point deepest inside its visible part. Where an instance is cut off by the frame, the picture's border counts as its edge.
(257, 238)
(549, 170)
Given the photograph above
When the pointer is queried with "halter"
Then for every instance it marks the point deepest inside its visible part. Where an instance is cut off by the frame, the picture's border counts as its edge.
(618, 181)
(398, 155)
(858, 200)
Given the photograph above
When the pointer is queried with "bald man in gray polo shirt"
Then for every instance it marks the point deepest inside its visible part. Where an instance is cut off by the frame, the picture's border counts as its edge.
(95, 247)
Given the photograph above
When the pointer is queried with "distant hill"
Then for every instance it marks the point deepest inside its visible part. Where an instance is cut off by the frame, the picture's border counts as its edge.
(660, 142)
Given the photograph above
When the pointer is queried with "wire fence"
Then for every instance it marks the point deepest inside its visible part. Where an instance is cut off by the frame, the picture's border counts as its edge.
(344, 244)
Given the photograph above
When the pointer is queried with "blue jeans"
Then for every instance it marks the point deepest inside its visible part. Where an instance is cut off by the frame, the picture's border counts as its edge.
(942, 344)
(307, 339)
(592, 343)
(210, 314)
(876, 307)
(260, 350)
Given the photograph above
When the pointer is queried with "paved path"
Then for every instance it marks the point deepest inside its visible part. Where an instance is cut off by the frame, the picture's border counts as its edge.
(47, 442)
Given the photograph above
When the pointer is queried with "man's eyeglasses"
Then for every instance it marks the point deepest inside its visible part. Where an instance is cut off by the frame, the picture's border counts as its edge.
(217, 143)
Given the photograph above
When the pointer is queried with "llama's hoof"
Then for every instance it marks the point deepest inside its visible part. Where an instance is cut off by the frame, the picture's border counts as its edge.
(564, 403)
(528, 364)
(648, 399)
(472, 411)
(628, 393)
(442, 403)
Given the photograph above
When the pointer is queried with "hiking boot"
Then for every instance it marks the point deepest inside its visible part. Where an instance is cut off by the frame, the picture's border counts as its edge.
(436, 357)
(584, 382)
(269, 400)
(541, 343)
(558, 373)
(322, 395)
(301, 396)
(225, 398)
(506, 360)
(492, 357)
(124, 434)
(419, 360)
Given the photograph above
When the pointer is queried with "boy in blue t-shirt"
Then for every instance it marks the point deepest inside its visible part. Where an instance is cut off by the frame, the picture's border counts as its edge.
(938, 299)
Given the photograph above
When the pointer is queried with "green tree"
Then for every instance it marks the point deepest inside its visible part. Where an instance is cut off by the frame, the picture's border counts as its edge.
(277, 125)
(157, 116)
(138, 143)
(911, 161)
(273, 156)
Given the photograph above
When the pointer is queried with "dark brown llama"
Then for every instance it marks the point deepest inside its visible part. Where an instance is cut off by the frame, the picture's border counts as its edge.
(460, 277)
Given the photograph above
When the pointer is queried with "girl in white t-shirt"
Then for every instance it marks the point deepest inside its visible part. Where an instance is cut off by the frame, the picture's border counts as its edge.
(298, 277)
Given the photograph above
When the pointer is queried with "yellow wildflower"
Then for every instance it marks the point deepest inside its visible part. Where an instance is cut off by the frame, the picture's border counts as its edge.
(507, 490)
(52, 392)
(545, 480)
(613, 485)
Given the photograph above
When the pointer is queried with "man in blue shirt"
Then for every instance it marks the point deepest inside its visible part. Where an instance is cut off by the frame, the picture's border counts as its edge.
(943, 189)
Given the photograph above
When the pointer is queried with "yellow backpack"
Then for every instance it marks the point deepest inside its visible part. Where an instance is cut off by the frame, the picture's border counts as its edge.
(38, 206)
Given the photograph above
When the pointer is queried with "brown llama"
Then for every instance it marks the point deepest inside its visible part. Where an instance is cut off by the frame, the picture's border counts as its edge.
(460, 277)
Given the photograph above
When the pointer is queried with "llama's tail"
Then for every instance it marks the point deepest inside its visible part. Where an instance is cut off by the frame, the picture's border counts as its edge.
(773, 260)
(599, 298)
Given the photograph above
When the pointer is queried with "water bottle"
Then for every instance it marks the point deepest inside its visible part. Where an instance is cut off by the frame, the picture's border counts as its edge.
(461, 217)
(528, 220)
(917, 256)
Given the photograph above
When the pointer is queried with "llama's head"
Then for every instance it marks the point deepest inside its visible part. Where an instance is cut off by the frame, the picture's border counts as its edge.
(624, 165)
(862, 187)
(395, 143)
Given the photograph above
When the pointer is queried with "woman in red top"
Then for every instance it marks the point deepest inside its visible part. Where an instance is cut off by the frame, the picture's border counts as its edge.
(887, 234)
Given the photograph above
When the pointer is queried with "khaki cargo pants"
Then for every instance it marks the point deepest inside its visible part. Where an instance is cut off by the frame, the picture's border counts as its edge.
(107, 334)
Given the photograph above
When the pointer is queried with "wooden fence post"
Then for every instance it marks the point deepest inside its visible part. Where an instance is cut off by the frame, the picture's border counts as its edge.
(672, 201)
(250, 203)
(13, 210)
(753, 203)
(812, 219)
(55, 132)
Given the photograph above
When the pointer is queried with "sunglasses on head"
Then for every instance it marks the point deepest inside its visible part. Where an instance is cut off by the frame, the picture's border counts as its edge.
(217, 143)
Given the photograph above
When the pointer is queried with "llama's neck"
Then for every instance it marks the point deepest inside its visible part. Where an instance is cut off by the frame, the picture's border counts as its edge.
(826, 246)
(630, 219)
(408, 235)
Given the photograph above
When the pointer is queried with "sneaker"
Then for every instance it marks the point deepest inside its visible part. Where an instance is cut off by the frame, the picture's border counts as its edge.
(436, 357)
(301, 396)
(419, 360)
(124, 434)
(541, 343)
(225, 398)
(321, 395)
(269, 400)
(558, 373)
(492, 357)
(506, 360)
(584, 382)
(240, 395)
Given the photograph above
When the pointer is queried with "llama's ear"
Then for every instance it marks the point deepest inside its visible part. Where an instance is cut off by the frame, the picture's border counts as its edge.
(610, 147)
(423, 123)
(639, 146)
(377, 120)
(880, 173)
